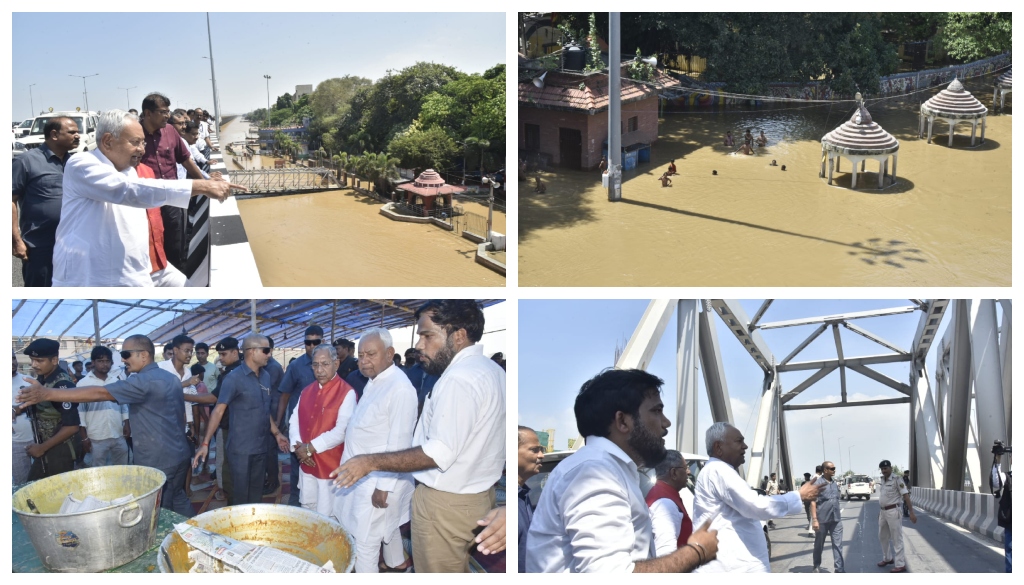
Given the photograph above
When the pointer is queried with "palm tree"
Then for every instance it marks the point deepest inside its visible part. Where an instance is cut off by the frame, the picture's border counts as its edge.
(480, 144)
(379, 168)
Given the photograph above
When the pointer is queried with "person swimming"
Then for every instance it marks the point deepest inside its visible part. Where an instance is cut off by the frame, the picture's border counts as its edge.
(665, 180)
(783, 167)
(762, 140)
(728, 139)
(715, 173)
(774, 164)
(672, 168)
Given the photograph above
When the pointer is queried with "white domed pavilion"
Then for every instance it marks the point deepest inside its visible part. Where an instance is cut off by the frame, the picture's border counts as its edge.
(954, 105)
(859, 140)
(1004, 86)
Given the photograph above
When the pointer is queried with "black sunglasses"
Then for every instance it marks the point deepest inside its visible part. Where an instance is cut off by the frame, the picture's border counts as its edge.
(266, 350)
(313, 341)
(830, 469)
(127, 353)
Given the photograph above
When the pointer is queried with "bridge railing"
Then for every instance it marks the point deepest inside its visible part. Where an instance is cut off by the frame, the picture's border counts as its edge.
(278, 180)
(975, 512)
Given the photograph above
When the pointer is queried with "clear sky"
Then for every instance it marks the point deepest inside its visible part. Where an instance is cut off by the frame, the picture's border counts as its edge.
(564, 343)
(164, 52)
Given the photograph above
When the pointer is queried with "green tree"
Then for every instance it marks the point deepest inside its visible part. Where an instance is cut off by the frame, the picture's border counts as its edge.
(331, 97)
(284, 102)
(422, 149)
(970, 36)
(478, 145)
(378, 169)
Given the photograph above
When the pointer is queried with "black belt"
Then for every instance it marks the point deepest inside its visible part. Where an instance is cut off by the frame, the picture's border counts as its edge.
(890, 507)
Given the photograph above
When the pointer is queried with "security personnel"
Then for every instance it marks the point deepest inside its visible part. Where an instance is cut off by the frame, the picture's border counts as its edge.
(54, 423)
(891, 490)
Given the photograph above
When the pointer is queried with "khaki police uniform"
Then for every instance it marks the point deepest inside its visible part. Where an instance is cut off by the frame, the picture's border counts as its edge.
(890, 518)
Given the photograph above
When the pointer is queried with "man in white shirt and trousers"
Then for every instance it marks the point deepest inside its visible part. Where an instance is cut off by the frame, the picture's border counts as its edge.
(104, 424)
(373, 509)
(735, 509)
(592, 517)
(103, 235)
(458, 448)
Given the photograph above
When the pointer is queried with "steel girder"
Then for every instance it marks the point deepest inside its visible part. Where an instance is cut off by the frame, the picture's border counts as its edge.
(767, 414)
(640, 348)
(1006, 359)
(959, 397)
(714, 371)
(687, 350)
(988, 383)
(927, 457)
(735, 318)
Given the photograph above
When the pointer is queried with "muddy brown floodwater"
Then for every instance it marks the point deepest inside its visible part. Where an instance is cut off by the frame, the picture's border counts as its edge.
(947, 221)
(339, 238)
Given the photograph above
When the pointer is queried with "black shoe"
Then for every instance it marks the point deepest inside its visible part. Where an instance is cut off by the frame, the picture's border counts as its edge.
(213, 475)
(269, 489)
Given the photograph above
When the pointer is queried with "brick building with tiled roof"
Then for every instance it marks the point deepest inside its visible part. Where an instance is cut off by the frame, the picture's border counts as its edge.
(566, 120)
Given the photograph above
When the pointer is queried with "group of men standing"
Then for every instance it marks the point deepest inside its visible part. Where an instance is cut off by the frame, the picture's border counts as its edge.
(118, 215)
(593, 516)
(357, 454)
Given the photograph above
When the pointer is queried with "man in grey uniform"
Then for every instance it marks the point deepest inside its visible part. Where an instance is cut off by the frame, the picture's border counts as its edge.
(891, 490)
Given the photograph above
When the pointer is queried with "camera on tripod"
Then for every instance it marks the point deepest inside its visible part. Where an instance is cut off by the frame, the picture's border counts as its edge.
(998, 448)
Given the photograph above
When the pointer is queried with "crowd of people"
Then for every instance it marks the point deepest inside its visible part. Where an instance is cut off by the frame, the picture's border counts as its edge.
(121, 214)
(373, 445)
(592, 515)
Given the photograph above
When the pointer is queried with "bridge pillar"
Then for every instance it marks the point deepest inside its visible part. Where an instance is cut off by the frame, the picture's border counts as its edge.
(687, 350)
(927, 459)
(761, 445)
(988, 383)
(959, 406)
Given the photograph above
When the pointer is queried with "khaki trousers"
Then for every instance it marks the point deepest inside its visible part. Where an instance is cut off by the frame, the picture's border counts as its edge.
(443, 528)
(890, 529)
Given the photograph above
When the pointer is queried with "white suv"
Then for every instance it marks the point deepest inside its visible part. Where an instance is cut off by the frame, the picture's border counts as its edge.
(855, 486)
(34, 138)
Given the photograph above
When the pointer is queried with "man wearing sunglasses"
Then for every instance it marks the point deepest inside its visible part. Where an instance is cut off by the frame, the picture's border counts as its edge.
(827, 519)
(155, 408)
(247, 390)
(298, 376)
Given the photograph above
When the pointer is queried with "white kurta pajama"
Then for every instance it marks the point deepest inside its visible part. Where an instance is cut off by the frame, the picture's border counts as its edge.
(721, 493)
(383, 421)
(314, 493)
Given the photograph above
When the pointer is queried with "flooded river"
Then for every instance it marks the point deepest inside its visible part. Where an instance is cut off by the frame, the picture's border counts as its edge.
(947, 221)
(339, 238)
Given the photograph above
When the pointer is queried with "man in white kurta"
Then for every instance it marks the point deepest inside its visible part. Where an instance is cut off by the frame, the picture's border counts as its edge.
(736, 509)
(103, 235)
(317, 436)
(373, 509)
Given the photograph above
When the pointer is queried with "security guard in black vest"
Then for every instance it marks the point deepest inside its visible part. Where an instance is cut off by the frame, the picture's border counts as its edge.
(54, 424)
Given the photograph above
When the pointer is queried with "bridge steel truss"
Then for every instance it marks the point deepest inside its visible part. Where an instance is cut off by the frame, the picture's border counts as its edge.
(946, 442)
(285, 180)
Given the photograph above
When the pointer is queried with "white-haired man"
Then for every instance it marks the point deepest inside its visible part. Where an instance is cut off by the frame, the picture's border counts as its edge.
(317, 429)
(103, 235)
(734, 508)
(373, 509)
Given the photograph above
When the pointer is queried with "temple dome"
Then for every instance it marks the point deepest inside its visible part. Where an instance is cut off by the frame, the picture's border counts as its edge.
(954, 102)
(1006, 79)
(861, 135)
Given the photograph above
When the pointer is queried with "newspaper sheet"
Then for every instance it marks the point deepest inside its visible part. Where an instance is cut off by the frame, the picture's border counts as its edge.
(220, 554)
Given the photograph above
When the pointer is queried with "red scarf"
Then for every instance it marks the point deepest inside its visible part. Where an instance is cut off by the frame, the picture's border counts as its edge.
(157, 256)
(318, 413)
(663, 490)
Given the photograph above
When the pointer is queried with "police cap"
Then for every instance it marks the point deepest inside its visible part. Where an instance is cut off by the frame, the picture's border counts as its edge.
(884, 463)
(43, 348)
(227, 343)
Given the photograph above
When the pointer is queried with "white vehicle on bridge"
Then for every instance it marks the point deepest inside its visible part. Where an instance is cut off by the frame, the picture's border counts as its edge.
(855, 486)
(34, 138)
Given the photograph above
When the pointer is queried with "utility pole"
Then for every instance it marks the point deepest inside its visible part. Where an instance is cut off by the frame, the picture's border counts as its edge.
(128, 95)
(614, 109)
(86, 89)
(822, 425)
(31, 102)
(267, 77)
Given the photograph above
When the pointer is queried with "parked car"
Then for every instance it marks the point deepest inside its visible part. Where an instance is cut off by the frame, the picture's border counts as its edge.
(22, 128)
(34, 138)
(855, 486)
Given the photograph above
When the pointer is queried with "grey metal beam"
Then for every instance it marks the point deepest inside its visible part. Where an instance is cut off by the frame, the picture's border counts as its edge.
(928, 326)
(766, 414)
(735, 317)
(881, 378)
(43, 322)
(1006, 360)
(860, 361)
(813, 378)
(821, 329)
(640, 348)
(760, 313)
(873, 337)
(959, 397)
(687, 350)
(76, 320)
(785, 460)
(988, 383)
(21, 303)
(905, 400)
(928, 459)
(837, 318)
(842, 362)
(714, 371)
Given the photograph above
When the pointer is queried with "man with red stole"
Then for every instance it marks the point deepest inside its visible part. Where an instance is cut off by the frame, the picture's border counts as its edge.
(317, 430)
(671, 524)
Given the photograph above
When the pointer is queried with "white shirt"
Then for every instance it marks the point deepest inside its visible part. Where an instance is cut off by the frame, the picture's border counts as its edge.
(462, 427)
(102, 420)
(169, 366)
(666, 520)
(329, 439)
(737, 510)
(103, 234)
(383, 421)
(591, 517)
(197, 157)
(204, 132)
(22, 426)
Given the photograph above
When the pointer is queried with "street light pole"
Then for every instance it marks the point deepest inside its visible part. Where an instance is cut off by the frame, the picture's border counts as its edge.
(86, 89)
(850, 457)
(822, 425)
(31, 102)
(128, 95)
(840, 442)
(267, 77)
(213, 76)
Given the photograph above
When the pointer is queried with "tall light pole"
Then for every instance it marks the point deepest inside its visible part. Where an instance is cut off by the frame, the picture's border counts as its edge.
(86, 89)
(822, 425)
(213, 76)
(31, 102)
(850, 457)
(128, 95)
(490, 205)
(840, 442)
(267, 77)
(615, 109)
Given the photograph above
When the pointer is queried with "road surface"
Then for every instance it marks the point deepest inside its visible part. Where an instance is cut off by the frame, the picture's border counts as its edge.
(931, 546)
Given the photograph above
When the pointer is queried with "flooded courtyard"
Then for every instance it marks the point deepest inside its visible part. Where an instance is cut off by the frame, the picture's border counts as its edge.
(338, 238)
(946, 222)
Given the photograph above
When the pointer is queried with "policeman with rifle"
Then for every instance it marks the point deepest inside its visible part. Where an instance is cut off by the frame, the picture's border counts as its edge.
(54, 424)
